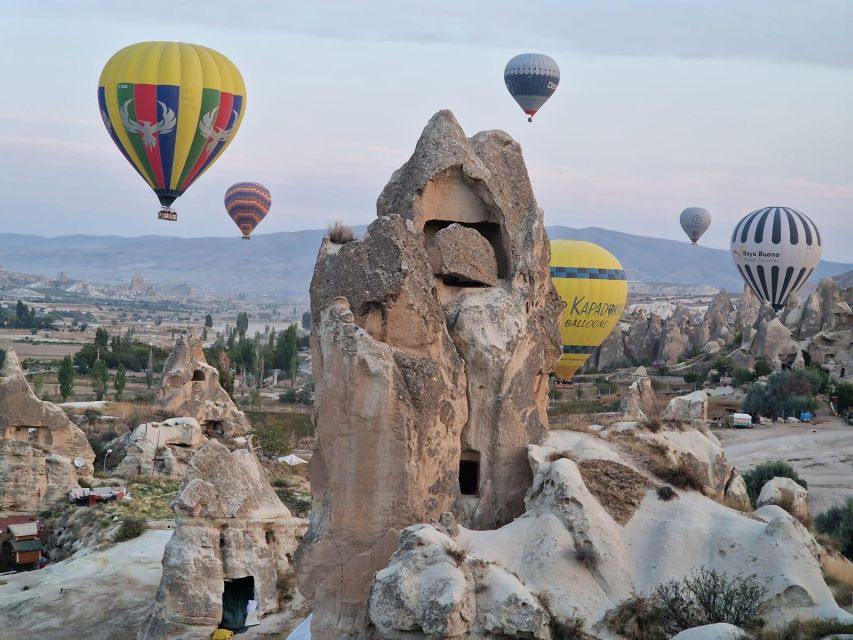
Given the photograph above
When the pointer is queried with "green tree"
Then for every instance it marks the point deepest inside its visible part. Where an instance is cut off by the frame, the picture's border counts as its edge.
(100, 378)
(120, 381)
(285, 357)
(102, 337)
(226, 376)
(306, 321)
(66, 378)
(22, 312)
(242, 323)
(204, 335)
(844, 396)
(208, 320)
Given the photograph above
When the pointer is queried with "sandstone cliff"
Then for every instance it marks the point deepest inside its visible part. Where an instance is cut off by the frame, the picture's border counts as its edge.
(38, 446)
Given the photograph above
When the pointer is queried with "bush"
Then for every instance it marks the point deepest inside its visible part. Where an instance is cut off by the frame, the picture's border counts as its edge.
(837, 522)
(762, 367)
(666, 493)
(586, 554)
(707, 597)
(130, 528)
(757, 477)
(742, 376)
(844, 396)
(339, 233)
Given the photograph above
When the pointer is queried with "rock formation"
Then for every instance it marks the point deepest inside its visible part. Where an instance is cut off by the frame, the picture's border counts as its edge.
(229, 525)
(595, 531)
(38, 446)
(787, 494)
(190, 387)
(639, 401)
(161, 448)
(432, 336)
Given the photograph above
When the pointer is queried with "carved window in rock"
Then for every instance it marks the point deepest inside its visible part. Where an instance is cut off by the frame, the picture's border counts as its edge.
(469, 473)
(198, 375)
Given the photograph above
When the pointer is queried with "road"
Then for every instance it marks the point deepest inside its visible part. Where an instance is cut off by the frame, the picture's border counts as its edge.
(822, 455)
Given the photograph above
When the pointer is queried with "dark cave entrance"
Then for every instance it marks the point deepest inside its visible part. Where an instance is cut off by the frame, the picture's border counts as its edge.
(469, 473)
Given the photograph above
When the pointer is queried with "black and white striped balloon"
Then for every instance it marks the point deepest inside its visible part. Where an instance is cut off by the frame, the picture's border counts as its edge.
(776, 249)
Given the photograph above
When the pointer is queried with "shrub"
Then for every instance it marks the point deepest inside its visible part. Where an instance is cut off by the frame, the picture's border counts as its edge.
(837, 522)
(757, 477)
(666, 493)
(339, 233)
(762, 367)
(586, 554)
(130, 528)
(844, 396)
(742, 376)
(707, 597)
(677, 475)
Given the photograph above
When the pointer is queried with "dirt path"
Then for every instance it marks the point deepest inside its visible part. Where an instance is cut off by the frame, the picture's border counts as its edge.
(822, 455)
(101, 596)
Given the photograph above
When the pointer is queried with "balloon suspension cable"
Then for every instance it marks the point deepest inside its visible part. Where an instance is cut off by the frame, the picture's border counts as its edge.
(166, 213)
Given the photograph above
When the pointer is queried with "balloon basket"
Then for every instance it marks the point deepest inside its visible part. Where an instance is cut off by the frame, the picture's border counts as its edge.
(246, 238)
(168, 214)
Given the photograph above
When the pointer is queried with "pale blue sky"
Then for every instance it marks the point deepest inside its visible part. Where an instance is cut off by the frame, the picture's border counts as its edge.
(663, 104)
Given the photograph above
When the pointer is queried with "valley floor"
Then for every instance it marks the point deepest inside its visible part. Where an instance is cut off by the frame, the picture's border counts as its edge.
(822, 454)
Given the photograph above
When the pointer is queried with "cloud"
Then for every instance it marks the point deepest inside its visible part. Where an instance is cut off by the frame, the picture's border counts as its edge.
(814, 32)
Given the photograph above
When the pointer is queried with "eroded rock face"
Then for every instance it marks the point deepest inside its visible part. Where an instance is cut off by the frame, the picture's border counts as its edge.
(161, 448)
(639, 401)
(190, 387)
(444, 384)
(773, 340)
(38, 446)
(229, 524)
(687, 408)
(569, 558)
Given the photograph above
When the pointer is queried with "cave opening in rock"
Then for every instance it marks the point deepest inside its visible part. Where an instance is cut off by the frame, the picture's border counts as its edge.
(469, 473)
(198, 375)
(235, 597)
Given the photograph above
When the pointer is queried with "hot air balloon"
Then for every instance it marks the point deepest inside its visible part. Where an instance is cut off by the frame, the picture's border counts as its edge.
(775, 249)
(592, 285)
(247, 203)
(695, 221)
(171, 108)
(531, 78)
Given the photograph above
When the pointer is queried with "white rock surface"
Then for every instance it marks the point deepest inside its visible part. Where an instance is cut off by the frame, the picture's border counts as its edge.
(787, 494)
(718, 631)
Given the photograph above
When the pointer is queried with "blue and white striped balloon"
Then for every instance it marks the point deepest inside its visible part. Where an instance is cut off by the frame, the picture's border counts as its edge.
(531, 78)
(776, 249)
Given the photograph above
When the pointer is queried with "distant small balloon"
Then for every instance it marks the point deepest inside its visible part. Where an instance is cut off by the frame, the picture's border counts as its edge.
(247, 203)
(775, 250)
(695, 222)
(531, 78)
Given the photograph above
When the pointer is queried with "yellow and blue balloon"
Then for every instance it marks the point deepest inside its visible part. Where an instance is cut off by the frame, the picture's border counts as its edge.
(171, 108)
(592, 286)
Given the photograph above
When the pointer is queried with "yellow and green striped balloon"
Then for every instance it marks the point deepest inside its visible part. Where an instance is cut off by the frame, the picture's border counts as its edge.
(171, 108)
(592, 285)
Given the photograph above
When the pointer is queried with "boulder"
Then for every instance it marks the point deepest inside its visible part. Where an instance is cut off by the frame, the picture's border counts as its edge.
(773, 340)
(42, 453)
(735, 494)
(687, 408)
(716, 631)
(787, 494)
(229, 525)
(190, 387)
(161, 448)
(428, 389)
(463, 256)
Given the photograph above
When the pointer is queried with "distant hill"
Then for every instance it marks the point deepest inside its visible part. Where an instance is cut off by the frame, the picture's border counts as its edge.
(281, 264)
(844, 280)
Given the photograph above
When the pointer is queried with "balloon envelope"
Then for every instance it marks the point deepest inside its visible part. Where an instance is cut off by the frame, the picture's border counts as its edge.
(171, 108)
(695, 221)
(775, 249)
(531, 78)
(247, 203)
(592, 285)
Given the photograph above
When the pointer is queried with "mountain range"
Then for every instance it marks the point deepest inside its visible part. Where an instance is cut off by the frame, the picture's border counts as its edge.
(281, 264)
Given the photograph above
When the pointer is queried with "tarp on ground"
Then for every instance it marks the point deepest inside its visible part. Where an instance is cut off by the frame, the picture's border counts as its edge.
(292, 460)
(303, 631)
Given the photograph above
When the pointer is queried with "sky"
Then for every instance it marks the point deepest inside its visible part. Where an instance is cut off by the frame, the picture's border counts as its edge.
(730, 105)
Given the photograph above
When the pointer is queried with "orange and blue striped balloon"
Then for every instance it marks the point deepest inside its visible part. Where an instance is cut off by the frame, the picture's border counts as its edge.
(171, 108)
(247, 203)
